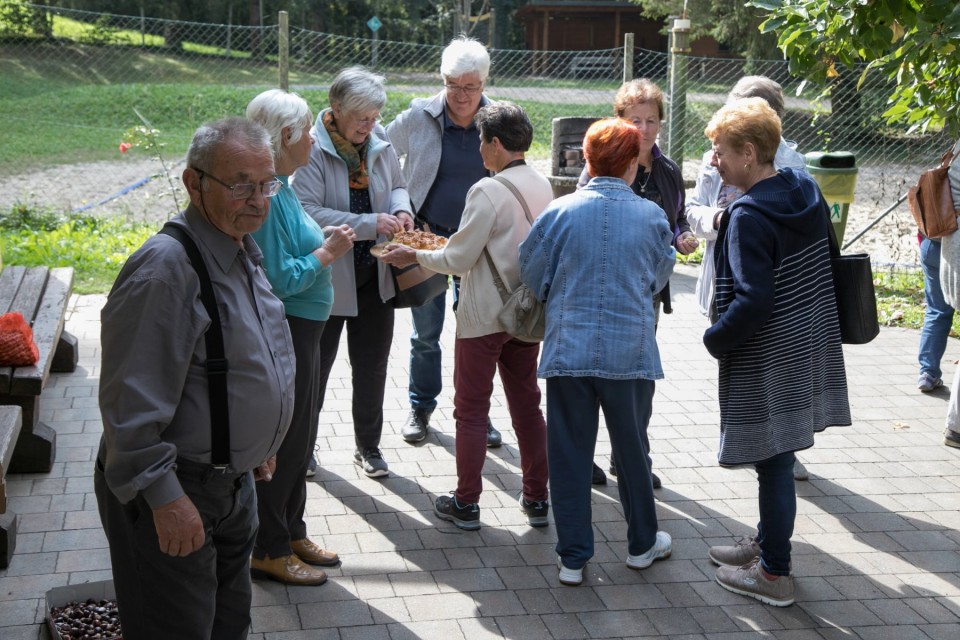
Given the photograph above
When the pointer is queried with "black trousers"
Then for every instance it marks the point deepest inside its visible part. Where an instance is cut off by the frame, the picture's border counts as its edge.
(203, 596)
(280, 502)
(369, 336)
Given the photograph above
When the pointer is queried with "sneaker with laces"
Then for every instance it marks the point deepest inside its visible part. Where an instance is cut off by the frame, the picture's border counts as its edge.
(745, 550)
(535, 510)
(662, 548)
(372, 462)
(749, 580)
(416, 428)
(569, 577)
(464, 516)
(927, 383)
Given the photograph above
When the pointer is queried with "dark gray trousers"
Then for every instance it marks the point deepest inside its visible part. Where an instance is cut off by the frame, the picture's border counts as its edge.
(203, 596)
(369, 336)
(281, 501)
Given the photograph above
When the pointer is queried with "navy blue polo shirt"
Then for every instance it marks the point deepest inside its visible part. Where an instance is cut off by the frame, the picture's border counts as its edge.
(460, 168)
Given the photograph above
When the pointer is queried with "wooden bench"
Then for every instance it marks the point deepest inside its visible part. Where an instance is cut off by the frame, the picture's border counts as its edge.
(10, 421)
(41, 295)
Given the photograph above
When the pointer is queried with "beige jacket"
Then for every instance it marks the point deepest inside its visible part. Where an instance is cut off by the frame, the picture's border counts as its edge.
(492, 218)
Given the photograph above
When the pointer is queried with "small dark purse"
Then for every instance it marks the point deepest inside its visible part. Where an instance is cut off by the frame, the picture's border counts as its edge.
(416, 285)
(853, 286)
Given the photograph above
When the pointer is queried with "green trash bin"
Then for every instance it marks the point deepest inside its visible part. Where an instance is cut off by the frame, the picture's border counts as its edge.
(836, 173)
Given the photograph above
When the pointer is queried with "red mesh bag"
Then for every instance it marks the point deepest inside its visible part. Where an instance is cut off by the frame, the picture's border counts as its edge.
(17, 347)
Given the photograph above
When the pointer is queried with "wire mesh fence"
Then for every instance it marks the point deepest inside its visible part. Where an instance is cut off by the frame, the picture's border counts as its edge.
(55, 51)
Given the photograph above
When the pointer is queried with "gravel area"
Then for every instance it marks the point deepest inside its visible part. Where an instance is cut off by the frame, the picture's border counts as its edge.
(108, 188)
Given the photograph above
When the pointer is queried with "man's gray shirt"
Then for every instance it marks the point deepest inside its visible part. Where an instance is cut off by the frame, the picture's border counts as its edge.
(153, 383)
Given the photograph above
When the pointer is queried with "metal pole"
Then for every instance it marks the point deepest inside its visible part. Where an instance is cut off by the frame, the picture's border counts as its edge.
(284, 50)
(874, 223)
(677, 119)
(627, 57)
(143, 29)
(229, 28)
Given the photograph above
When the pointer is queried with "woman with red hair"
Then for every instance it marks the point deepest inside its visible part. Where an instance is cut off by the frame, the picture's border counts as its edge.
(596, 257)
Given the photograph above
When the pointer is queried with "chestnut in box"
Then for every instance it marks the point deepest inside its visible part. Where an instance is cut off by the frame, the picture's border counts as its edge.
(61, 596)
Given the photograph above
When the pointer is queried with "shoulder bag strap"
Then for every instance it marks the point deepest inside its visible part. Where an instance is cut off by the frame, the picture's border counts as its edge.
(950, 155)
(217, 364)
(504, 294)
(831, 234)
(496, 276)
(516, 193)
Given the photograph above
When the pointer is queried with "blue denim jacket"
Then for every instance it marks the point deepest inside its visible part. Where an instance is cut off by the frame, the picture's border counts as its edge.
(596, 257)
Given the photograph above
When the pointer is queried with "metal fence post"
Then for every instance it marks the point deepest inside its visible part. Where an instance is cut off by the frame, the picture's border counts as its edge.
(283, 43)
(627, 57)
(677, 117)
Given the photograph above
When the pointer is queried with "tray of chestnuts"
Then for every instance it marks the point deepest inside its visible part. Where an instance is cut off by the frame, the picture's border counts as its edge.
(83, 612)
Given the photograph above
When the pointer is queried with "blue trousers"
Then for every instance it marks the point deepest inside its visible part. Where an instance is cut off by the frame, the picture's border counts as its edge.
(573, 405)
(938, 318)
(778, 511)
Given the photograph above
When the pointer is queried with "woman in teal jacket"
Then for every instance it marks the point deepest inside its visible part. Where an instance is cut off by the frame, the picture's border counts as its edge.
(297, 255)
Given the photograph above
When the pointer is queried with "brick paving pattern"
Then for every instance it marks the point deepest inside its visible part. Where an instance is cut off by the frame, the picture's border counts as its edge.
(876, 548)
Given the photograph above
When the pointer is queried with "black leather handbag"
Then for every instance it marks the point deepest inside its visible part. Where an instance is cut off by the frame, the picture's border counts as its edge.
(853, 286)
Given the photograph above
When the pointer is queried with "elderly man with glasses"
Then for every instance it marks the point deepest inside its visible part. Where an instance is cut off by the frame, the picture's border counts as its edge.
(186, 430)
(440, 145)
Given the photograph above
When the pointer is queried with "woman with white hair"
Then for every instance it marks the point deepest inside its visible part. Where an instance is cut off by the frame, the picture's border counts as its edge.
(353, 177)
(297, 255)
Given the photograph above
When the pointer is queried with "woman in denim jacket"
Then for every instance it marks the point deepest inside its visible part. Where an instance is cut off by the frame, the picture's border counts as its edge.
(597, 257)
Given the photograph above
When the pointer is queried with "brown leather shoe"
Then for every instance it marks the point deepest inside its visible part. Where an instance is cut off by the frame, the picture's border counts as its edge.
(287, 569)
(311, 553)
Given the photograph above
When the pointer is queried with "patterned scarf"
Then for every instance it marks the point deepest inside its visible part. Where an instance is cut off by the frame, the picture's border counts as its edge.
(354, 155)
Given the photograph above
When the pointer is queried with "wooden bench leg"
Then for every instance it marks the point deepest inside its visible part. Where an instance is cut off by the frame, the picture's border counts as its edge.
(66, 356)
(37, 444)
(8, 537)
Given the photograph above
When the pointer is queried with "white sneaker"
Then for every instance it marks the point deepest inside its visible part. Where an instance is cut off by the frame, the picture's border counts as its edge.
(570, 577)
(661, 549)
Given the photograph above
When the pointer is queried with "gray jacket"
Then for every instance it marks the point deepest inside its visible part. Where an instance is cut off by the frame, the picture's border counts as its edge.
(323, 186)
(417, 134)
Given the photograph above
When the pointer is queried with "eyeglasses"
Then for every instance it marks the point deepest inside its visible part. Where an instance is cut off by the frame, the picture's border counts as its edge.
(369, 122)
(244, 190)
(467, 90)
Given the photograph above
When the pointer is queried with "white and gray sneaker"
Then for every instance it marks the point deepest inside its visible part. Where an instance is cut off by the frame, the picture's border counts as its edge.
(749, 580)
(743, 551)
(372, 462)
(568, 576)
(661, 549)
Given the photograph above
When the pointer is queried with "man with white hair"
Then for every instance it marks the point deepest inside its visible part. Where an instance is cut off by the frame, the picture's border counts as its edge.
(441, 146)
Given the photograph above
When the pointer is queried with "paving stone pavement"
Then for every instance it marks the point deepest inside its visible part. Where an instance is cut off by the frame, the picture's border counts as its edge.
(876, 547)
